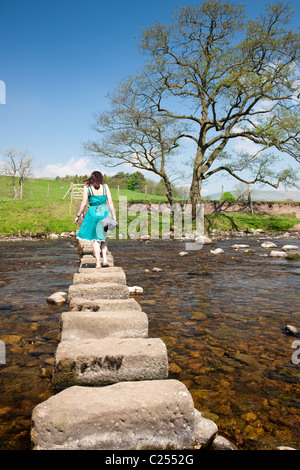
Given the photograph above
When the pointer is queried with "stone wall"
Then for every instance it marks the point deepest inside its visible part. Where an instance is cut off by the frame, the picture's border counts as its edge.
(259, 207)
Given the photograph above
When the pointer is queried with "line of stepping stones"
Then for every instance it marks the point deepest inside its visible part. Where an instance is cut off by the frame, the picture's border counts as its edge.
(111, 379)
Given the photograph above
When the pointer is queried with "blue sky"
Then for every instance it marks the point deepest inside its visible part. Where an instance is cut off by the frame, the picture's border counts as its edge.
(59, 60)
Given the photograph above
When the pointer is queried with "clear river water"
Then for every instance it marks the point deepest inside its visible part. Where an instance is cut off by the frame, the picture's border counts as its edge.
(221, 317)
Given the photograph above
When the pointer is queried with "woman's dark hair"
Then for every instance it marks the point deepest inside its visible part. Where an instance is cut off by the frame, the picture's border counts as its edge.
(96, 179)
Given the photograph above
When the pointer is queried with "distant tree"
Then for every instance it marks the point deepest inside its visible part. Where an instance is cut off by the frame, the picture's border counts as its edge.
(18, 167)
(228, 196)
(136, 181)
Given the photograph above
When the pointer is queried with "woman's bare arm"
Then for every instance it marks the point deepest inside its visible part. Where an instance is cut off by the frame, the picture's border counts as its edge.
(83, 203)
(110, 203)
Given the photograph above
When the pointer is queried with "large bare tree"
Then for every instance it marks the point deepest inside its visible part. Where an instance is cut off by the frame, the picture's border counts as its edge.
(229, 77)
(133, 131)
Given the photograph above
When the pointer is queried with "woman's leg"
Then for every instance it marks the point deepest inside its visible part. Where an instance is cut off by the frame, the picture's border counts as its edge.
(97, 253)
(104, 252)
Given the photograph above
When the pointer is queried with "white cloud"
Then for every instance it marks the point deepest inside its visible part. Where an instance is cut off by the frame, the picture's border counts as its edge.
(245, 145)
(75, 166)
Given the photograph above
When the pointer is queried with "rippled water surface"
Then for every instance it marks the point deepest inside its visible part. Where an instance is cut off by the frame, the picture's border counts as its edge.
(222, 318)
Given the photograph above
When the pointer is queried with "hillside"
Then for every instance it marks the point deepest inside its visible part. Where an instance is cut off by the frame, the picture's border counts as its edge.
(264, 195)
(36, 215)
(36, 189)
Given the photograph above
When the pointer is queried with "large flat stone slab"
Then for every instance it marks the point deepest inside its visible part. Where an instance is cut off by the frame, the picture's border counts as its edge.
(126, 415)
(76, 325)
(89, 261)
(85, 247)
(105, 361)
(92, 269)
(103, 305)
(115, 275)
(99, 290)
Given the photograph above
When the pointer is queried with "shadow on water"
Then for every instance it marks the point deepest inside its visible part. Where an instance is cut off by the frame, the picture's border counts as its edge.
(222, 318)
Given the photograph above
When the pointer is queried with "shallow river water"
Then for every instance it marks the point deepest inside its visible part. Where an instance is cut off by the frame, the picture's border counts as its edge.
(221, 317)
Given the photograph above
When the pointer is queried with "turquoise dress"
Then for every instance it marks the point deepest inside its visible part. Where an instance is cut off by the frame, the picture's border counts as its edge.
(91, 228)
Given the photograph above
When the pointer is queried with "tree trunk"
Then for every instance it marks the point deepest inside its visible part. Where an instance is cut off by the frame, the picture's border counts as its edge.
(250, 200)
(195, 189)
(15, 189)
(168, 186)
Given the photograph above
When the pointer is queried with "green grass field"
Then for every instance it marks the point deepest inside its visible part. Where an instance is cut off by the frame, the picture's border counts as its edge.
(37, 215)
(34, 214)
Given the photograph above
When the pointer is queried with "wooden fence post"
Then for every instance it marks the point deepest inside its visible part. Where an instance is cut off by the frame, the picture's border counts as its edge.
(72, 194)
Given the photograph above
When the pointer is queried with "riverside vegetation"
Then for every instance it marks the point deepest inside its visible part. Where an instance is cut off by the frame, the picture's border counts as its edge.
(37, 215)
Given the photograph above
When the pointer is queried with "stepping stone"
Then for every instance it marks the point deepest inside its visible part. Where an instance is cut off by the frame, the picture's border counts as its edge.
(75, 326)
(92, 269)
(115, 275)
(99, 290)
(86, 248)
(126, 415)
(103, 305)
(92, 259)
(88, 261)
(105, 361)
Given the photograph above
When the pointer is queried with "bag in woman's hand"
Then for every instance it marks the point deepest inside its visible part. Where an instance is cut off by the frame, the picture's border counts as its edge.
(109, 224)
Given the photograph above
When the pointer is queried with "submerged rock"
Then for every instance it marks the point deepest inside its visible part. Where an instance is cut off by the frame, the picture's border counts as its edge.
(290, 247)
(205, 430)
(278, 254)
(292, 330)
(58, 298)
(203, 239)
(268, 245)
(221, 443)
(238, 246)
(217, 251)
(136, 290)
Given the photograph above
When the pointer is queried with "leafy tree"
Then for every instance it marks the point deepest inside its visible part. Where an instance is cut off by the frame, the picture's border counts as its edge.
(136, 181)
(228, 77)
(134, 132)
(228, 196)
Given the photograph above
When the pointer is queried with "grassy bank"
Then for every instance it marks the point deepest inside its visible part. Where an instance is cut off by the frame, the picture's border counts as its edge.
(248, 221)
(42, 211)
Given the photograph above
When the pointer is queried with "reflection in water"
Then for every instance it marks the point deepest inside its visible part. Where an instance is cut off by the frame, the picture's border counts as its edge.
(221, 317)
